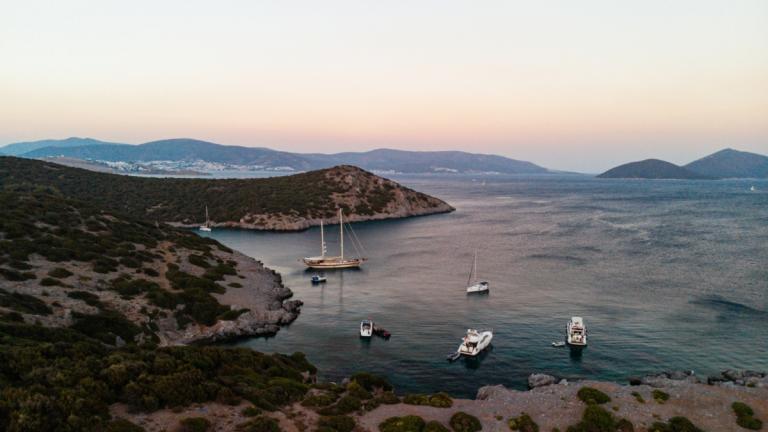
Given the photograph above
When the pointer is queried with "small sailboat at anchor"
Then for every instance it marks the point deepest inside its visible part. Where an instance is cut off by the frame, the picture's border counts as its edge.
(207, 225)
(334, 262)
(477, 286)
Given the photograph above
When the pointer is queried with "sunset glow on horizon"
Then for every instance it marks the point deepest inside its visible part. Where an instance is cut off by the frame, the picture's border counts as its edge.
(568, 85)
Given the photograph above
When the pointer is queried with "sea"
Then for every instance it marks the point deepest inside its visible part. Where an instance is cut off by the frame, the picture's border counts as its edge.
(667, 274)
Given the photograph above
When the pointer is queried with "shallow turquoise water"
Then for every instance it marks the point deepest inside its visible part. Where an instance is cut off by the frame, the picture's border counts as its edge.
(667, 275)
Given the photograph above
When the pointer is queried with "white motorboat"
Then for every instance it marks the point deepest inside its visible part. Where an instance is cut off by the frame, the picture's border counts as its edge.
(558, 344)
(475, 342)
(207, 225)
(576, 332)
(475, 286)
(337, 262)
(316, 279)
(366, 328)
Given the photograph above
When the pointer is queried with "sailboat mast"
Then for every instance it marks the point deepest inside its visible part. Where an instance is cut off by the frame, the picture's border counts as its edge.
(474, 266)
(341, 232)
(207, 220)
(322, 240)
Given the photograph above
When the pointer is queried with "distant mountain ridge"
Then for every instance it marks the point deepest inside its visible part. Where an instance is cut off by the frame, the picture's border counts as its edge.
(730, 163)
(651, 169)
(727, 163)
(21, 148)
(185, 149)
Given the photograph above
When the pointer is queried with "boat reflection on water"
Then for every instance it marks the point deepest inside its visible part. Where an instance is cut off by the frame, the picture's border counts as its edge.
(575, 354)
(474, 361)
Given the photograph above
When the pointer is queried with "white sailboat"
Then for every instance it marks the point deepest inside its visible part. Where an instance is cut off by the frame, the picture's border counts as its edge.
(333, 262)
(477, 286)
(576, 332)
(207, 225)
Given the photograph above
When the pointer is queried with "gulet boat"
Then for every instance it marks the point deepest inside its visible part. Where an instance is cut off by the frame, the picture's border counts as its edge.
(323, 261)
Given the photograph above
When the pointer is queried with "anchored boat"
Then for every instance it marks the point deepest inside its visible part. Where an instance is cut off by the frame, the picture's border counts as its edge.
(207, 225)
(335, 262)
(475, 342)
(477, 287)
(366, 328)
(576, 333)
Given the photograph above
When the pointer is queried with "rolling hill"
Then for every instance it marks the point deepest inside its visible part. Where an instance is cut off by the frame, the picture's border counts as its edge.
(729, 163)
(278, 203)
(379, 160)
(651, 169)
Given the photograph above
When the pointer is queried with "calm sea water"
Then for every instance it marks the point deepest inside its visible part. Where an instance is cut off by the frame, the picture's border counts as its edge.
(667, 275)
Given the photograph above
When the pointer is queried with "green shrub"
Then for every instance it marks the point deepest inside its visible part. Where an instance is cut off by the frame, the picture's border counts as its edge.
(356, 390)
(523, 423)
(199, 261)
(49, 281)
(371, 382)
(89, 298)
(440, 400)
(235, 285)
(260, 424)
(251, 411)
(625, 425)
(340, 423)
(59, 273)
(194, 424)
(591, 395)
(346, 405)
(24, 303)
(122, 425)
(105, 326)
(638, 397)
(410, 423)
(320, 400)
(595, 419)
(744, 416)
(435, 426)
(660, 396)
(463, 422)
(416, 399)
(388, 398)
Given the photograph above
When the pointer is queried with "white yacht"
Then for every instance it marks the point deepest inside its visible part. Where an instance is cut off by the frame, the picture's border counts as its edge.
(475, 342)
(477, 286)
(366, 328)
(335, 262)
(207, 225)
(576, 332)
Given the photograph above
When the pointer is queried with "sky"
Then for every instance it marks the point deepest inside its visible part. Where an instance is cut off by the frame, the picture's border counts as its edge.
(572, 85)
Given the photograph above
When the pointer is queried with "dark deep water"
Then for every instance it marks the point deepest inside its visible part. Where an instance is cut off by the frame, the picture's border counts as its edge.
(667, 275)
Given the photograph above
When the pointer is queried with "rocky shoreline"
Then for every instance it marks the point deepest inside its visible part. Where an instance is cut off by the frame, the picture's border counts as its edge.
(292, 223)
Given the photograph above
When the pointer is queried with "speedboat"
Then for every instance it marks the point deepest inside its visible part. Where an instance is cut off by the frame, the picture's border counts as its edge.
(475, 342)
(316, 279)
(576, 332)
(366, 328)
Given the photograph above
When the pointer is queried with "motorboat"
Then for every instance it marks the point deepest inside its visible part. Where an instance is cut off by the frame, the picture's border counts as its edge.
(576, 332)
(475, 342)
(558, 344)
(366, 328)
(475, 286)
(207, 225)
(316, 279)
(336, 262)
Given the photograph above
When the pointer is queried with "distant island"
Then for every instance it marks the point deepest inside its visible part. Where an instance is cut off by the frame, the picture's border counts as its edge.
(286, 203)
(726, 163)
(191, 154)
(652, 169)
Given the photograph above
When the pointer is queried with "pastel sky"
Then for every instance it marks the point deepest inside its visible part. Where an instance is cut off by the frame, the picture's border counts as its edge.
(575, 85)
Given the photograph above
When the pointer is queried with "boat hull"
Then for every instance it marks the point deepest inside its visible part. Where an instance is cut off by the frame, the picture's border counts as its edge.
(325, 265)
